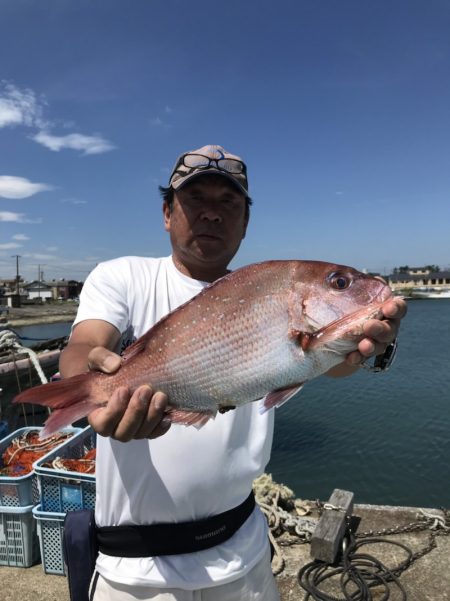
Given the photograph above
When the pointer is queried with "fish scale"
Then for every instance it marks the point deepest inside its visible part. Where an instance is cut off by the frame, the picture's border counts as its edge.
(261, 331)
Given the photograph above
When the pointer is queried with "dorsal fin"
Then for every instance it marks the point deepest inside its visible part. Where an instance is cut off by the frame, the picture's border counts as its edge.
(135, 348)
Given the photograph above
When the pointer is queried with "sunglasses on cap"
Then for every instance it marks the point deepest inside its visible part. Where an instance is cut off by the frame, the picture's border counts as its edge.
(199, 161)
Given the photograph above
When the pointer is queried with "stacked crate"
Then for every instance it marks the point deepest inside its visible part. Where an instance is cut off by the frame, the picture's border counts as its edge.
(61, 491)
(19, 545)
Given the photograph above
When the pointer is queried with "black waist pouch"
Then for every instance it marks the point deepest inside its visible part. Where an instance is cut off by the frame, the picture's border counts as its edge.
(173, 539)
(80, 551)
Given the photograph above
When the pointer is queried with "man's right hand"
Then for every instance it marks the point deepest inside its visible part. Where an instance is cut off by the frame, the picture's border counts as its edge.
(127, 415)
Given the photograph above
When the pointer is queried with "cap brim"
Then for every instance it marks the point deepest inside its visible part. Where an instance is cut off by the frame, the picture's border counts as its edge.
(182, 181)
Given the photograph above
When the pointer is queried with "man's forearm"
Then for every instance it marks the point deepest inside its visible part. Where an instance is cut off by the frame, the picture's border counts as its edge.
(74, 359)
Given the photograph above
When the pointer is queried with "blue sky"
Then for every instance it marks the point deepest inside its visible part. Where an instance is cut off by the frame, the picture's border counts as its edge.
(341, 110)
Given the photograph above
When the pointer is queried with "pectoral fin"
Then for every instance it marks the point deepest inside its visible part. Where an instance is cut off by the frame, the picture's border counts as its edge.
(303, 339)
(279, 397)
(189, 418)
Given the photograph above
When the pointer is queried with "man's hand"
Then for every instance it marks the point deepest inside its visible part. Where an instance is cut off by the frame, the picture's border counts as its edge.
(379, 334)
(127, 415)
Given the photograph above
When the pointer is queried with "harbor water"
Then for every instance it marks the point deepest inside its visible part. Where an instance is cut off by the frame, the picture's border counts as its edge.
(386, 436)
(32, 335)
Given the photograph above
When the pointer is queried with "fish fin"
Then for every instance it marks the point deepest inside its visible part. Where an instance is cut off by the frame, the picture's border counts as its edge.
(135, 349)
(302, 338)
(189, 418)
(279, 397)
(60, 418)
(60, 394)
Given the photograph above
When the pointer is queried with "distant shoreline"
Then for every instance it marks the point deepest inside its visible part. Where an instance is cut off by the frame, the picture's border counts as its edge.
(32, 315)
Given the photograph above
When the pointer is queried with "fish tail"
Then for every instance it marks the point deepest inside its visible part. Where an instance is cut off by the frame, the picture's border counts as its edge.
(70, 400)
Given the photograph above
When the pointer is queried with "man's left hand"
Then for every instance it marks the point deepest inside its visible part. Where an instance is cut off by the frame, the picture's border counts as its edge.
(379, 333)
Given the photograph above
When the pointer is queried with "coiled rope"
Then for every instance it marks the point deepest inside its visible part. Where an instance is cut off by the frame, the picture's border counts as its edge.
(355, 575)
(278, 503)
(9, 341)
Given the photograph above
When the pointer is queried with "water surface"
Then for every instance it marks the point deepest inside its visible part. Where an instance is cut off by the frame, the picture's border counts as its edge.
(386, 437)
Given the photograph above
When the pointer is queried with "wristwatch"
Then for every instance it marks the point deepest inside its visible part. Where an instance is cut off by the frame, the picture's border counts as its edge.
(384, 361)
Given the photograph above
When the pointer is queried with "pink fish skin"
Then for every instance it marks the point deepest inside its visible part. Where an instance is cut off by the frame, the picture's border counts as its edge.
(260, 331)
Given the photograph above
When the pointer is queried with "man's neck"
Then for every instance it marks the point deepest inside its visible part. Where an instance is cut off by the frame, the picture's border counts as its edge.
(202, 273)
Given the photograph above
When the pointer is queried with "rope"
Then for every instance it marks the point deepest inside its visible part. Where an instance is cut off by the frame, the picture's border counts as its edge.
(9, 342)
(355, 574)
(277, 502)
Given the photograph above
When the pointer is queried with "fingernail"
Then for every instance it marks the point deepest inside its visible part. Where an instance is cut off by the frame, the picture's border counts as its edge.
(160, 402)
(145, 394)
(110, 364)
(377, 329)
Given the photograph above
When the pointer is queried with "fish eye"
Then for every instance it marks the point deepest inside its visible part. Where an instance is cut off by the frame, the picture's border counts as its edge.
(339, 281)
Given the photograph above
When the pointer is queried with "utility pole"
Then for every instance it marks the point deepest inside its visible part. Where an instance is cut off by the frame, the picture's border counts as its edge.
(40, 276)
(17, 257)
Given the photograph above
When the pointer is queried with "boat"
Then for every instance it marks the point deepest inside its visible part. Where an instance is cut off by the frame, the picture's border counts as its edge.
(22, 367)
(430, 293)
(16, 358)
(10, 365)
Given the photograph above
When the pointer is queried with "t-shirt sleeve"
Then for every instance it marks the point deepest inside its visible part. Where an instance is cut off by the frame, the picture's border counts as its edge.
(104, 296)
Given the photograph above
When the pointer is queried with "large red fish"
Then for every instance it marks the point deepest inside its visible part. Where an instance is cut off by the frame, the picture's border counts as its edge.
(260, 331)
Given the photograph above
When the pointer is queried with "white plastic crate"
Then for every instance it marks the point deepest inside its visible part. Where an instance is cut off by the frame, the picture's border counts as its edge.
(19, 545)
(21, 491)
(62, 490)
(50, 529)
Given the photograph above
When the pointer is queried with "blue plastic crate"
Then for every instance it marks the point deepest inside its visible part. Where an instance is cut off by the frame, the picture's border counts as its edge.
(62, 490)
(21, 491)
(50, 529)
(19, 545)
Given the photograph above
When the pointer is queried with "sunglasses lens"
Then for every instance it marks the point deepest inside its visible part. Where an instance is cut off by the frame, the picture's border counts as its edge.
(230, 165)
(196, 160)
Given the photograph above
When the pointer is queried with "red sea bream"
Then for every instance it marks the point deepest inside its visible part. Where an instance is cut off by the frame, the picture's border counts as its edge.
(260, 331)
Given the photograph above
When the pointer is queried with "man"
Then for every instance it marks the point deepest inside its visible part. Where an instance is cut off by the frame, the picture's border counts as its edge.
(179, 475)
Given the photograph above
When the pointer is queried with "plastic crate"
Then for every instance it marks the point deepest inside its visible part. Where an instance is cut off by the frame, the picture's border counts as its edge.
(21, 491)
(19, 545)
(50, 529)
(62, 490)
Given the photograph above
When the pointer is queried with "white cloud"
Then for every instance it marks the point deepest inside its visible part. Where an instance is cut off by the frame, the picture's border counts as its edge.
(158, 122)
(17, 218)
(19, 107)
(9, 216)
(24, 107)
(74, 201)
(9, 246)
(87, 144)
(20, 187)
(20, 237)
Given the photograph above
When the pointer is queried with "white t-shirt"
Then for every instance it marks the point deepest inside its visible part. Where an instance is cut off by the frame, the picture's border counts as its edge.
(187, 474)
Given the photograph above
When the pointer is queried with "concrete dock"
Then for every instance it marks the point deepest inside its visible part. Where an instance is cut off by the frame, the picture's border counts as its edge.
(427, 579)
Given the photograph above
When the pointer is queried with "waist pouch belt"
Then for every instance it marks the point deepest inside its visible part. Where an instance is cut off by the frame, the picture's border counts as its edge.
(173, 539)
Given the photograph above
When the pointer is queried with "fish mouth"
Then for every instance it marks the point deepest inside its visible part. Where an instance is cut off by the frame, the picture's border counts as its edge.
(350, 326)
(385, 293)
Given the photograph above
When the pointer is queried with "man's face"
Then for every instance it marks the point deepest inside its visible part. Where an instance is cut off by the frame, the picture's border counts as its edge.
(206, 225)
